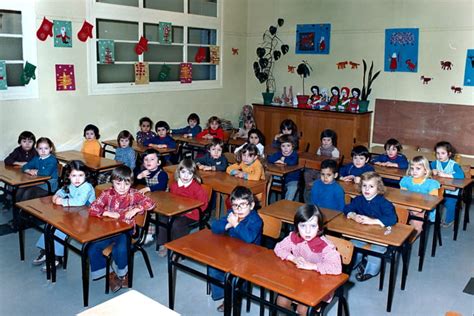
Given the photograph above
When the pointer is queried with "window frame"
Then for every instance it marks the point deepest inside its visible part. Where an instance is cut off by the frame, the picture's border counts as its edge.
(97, 10)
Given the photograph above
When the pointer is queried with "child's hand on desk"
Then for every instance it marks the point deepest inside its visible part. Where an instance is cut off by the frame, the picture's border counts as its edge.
(444, 174)
(131, 213)
(111, 214)
(208, 136)
(240, 174)
(32, 172)
(280, 161)
(435, 172)
(19, 164)
(233, 220)
(301, 263)
(277, 136)
(57, 200)
(206, 168)
(356, 179)
(348, 178)
(143, 174)
(144, 190)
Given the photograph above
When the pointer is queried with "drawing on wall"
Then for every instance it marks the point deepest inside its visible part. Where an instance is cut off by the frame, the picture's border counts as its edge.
(215, 54)
(313, 38)
(401, 50)
(62, 33)
(469, 71)
(186, 73)
(28, 73)
(165, 33)
(106, 51)
(65, 78)
(142, 74)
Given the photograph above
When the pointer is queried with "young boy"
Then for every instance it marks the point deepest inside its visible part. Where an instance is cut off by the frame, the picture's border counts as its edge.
(23, 153)
(360, 158)
(287, 156)
(91, 144)
(213, 160)
(250, 168)
(241, 222)
(162, 139)
(193, 127)
(326, 192)
(393, 157)
(123, 203)
(145, 133)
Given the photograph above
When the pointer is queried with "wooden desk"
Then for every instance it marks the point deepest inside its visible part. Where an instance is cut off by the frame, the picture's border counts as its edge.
(397, 240)
(74, 222)
(285, 210)
(94, 163)
(409, 153)
(139, 149)
(217, 251)
(129, 303)
(312, 161)
(282, 170)
(234, 143)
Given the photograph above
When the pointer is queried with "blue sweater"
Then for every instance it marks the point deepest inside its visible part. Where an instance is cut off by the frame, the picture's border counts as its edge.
(157, 180)
(188, 130)
(248, 230)
(400, 159)
(45, 167)
(220, 163)
(77, 196)
(328, 195)
(291, 160)
(157, 140)
(351, 170)
(126, 155)
(457, 173)
(379, 208)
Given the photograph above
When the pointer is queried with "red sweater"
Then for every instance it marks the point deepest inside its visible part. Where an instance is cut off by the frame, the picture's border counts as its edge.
(216, 133)
(193, 191)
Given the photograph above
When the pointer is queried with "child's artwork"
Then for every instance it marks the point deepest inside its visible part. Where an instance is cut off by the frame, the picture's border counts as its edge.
(106, 51)
(28, 73)
(62, 33)
(186, 73)
(313, 38)
(3, 75)
(65, 78)
(469, 71)
(142, 75)
(165, 35)
(401, 50)
(164, 73)
(215, 55)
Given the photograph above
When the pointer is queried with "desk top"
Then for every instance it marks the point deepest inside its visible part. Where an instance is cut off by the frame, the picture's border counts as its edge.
(281, 170)
(14, 176)
(219, 251)
(313, 161)
(370, 233)
(192, 140)
(265, 269)
(94, 163)
(73, 221)
(139, 148)
(237, 141)
(170, 204)
(285, 210)
(225, 183)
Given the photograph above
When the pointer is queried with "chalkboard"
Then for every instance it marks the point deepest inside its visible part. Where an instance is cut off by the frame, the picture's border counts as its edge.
(424, 124)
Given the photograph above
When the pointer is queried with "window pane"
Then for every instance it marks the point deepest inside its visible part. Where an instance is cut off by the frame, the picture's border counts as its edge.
(163, 53)
(131, 3)
(151, 33)
(173, 75)
(204, 72)
(203, 7)
(11, 48)
(166, 5)
(201, 36)
(14, 72)
(10, 22)
(115, 73)
(192, 51)
(117, 30)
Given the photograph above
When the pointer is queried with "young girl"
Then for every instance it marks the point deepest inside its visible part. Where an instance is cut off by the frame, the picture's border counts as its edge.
(125, 153)
(393, 156)
(418, 180)
(444, 166)
(75, 192)
(370, 208)
(247, 111)
(287, 127)
(91, 145)
(255, 137)
(192, 129)
(187, 184)
(243, 132)
(23, 153)
(145, 133)
(213, 130)
(248, 167)
(120, 202)
(308, 249)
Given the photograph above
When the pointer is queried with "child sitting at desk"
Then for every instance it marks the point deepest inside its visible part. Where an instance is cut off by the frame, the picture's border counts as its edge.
(162, 139)
(393, 156)
(326, 192)
(120, 202)
(213, 160)
(241, 222)
(248, 167)
(192, 129)
(255, 137)
(287, 127)
(145, 133)
(125, 153)
(360, 158)
(370, 208)
(213, 130)
(287, 156)
(308, 249)
(91, 144)
(249, 124)
(23, 153)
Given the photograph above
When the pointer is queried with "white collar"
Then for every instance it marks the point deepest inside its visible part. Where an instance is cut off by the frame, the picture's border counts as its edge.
(181, 184)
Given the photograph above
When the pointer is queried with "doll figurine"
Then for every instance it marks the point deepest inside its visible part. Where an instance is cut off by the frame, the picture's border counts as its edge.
(354, 100)
(334, 98)
(323, 103)
(344, 101)
(315, 97)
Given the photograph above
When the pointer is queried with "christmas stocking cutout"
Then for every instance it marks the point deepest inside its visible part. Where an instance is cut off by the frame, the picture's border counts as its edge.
(200, 55)
(142, 46)
(45, 29)
(28, 73)
(85, 32)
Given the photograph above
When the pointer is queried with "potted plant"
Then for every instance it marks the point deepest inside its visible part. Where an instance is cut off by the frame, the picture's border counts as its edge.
(366, 89)
(304, 70)
(268, 52)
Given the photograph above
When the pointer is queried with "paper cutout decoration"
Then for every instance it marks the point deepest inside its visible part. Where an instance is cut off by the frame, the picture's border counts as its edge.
(62, 33)
(28, 73)
(186, 73)
(200, 55)
(456, 89)
(313, 38)
(215, 55)
(291, 69)
(142, 46)
(85, 32)
(3, 75)
(142, 74)
(165, 35)
(164, 73)
(342, 64)
(446, 65)
(354, 65)
(401, 50)
(45, 29)
(106, 51)
(65, 80)
(469, 70)
(235, 51)
(425, 80)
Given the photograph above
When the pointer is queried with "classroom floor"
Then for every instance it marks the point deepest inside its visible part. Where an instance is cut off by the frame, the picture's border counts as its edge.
(435, 290)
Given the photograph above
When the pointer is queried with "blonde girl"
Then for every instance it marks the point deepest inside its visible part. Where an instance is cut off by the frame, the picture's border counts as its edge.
(249, 124)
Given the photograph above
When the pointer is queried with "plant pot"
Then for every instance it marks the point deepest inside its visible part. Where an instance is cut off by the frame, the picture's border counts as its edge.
(267, 97)
(303, 101)
(363, 106)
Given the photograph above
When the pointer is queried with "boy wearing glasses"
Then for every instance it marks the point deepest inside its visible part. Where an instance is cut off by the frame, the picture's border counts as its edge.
(241, 222)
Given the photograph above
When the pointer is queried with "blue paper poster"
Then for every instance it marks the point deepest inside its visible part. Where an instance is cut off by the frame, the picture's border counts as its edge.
(106, 51)
(62, 32)
(401, 50)
(313, 38)
(3, 75)
(469, 71)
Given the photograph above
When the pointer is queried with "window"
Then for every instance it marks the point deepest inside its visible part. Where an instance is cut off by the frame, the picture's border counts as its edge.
(196, 25)
(17, 45)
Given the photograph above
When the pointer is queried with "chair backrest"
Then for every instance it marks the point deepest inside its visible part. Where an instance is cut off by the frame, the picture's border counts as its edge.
(344, 247)
(271, 226)
(101, 188)
(208, 190)
(402, 214)
(441, 192)
(411, 147)
(227, 134)
(230, 157)
(347, 199)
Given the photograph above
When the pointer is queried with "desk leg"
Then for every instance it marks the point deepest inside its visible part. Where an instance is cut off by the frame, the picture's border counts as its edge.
(218, 204)
(422, 248)
(171, 279)
(342, 306)
(15, 210)
(436, 231)
(85, 273)
(169, 226)
(236, 297)
(406, 250)
(227, 294)
(467, 201)
(456, 214)
(393, 274)
(130, 257)
(49, 250)
(21, 237)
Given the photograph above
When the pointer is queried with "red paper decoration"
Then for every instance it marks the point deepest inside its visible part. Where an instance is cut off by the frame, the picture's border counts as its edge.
(45, 29)
(291, 69)
(200, 55)
(142, 46)
(354, 65)
(235, 51)
(342, 64)
(85, 32)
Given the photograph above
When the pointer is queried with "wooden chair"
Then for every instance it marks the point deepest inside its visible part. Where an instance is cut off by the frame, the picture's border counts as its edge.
(271, 226)
(410, 147)
(204, 215)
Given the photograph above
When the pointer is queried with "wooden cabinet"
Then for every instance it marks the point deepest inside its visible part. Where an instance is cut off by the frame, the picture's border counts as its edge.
(351, 128)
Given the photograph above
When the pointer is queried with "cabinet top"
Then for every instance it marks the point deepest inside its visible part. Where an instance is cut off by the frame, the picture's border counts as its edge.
(309, 110)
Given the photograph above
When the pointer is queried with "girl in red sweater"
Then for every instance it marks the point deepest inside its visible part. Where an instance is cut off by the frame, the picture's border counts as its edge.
(213, 130)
